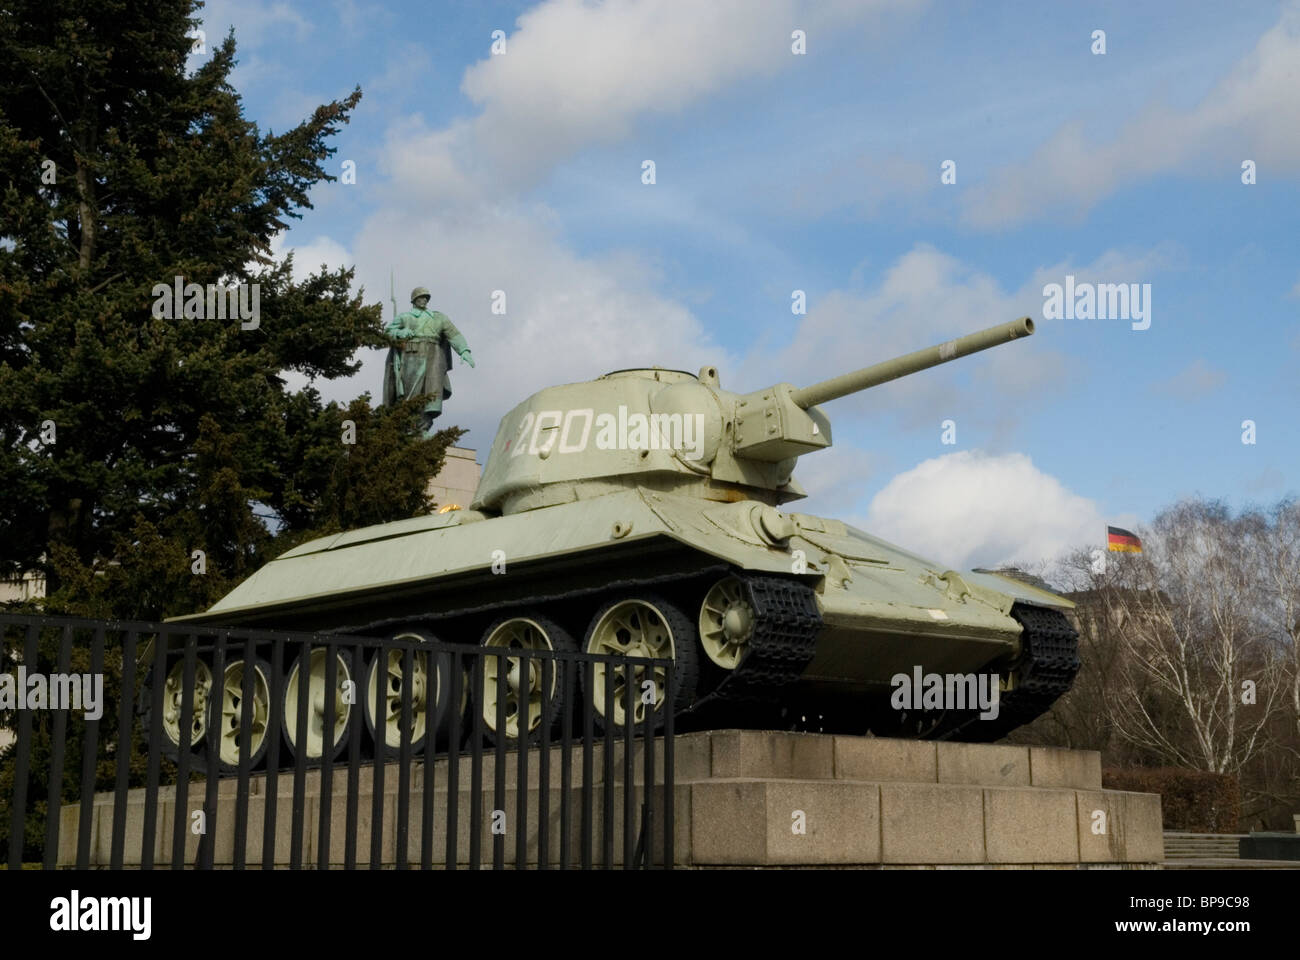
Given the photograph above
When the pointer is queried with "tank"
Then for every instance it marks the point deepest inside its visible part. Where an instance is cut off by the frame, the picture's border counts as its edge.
(644, 513)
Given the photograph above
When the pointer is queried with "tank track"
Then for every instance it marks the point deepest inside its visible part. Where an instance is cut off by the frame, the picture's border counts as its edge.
(1048, 664)
(782, 644)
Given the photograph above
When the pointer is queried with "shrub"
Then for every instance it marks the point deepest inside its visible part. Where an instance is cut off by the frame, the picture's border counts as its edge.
(1197, 801)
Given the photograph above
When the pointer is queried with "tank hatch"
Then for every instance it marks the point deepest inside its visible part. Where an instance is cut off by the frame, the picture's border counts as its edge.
(651, 373)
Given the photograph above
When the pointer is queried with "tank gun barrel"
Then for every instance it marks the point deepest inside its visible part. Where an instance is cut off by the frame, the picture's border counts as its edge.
(880, 373)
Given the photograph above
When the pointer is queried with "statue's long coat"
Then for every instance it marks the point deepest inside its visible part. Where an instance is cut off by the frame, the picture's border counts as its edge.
(422, 358)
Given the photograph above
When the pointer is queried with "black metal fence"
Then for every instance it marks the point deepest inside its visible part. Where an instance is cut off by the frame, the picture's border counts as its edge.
(214, 747)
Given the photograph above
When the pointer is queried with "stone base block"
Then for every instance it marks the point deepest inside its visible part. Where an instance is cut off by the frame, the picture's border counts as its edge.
(742, 799)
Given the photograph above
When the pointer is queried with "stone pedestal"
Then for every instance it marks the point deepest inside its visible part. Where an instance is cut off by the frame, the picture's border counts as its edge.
(778, 799)
(741, 799)
(458, 479)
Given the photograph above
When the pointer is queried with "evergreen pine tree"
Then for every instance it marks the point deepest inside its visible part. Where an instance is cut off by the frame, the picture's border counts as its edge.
(130, 440)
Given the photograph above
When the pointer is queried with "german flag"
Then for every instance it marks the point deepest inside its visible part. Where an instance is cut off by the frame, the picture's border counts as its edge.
(1123, 541)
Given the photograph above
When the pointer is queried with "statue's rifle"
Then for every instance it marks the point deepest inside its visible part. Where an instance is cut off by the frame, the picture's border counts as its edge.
(397, 355)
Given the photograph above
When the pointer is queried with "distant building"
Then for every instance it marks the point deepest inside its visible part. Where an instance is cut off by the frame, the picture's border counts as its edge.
(30, 586)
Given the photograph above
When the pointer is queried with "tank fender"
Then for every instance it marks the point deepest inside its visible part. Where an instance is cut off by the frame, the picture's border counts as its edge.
(958, 589)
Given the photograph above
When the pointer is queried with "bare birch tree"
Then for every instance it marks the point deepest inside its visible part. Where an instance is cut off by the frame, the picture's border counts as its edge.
(1280, 556)
(1197, 677)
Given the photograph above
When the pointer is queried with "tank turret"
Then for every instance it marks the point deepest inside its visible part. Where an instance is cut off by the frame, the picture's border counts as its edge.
(680, 433)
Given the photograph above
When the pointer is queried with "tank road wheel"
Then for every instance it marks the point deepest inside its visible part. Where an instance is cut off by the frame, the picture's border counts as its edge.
(429, 691)
(313, 741)
(173, 694)
(726, 623)
(227, 714)
(646, 625)
(523, 693)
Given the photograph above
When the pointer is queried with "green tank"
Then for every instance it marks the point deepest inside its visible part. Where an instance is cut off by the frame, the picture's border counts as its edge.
(644, 514)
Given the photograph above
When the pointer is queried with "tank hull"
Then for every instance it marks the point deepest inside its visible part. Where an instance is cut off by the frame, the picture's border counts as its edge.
(884, 611)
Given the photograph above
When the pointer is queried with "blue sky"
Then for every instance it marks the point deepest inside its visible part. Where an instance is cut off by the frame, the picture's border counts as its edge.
(821, 172)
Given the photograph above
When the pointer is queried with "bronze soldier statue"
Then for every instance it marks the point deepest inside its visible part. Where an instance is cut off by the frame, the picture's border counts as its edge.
(419, 362)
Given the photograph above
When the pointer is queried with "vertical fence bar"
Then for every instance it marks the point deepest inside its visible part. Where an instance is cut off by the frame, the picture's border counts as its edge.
(58, 743)
(670, 776)
(499, 767)
(453, 761)
(638, 848)
(274, 730)
(354, 764)
(298, 800)
(588, 737)
(479, 686)
(377, 771)
(158, 682)
(434, 682)
(647, 841)
(403, 759)
(630, 697)
(89, 754)
(567, 668)
(180, 819)
(523, 718)
(125, 747)
(208, 840)
(22, 762)
(607, 776)
(325, 804)
(544, 767)
(247, 693)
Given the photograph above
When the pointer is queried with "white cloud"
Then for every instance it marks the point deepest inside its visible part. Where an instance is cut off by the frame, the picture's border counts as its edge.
(970, 509)
(576, 74)
(835, 480)
(308, 258)
(1252, 113)
(257, 23)
(1193, 382)
(926, 297)
(922, 298)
